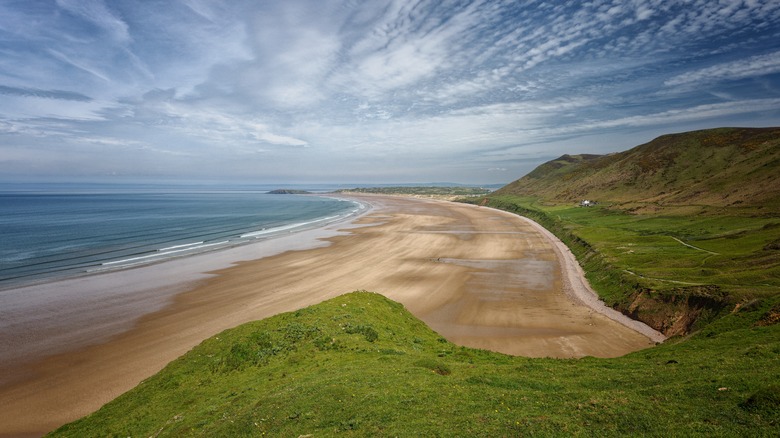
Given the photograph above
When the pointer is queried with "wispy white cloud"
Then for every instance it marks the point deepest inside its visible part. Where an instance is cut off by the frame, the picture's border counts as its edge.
(83, 66)
(411, 86)
(752, 67)
(97, 13)
(27, 107)
(48, 94)
(532, 137)
(223, 129)
(694, 113)
(409, 44)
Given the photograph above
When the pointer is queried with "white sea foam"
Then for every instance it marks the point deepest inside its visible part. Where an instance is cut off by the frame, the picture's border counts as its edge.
(163, 254)
(265, 231)
(80, 247)
(179, 246)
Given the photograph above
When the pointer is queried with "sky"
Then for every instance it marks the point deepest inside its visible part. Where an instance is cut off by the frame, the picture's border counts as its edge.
(391, 91)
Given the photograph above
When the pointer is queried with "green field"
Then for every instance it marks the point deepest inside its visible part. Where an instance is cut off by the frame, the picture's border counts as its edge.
(731, 250)
(361, 365)
(722, 259)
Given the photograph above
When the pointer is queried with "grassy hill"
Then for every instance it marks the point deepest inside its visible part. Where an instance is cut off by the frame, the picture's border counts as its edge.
(728, 167)
(686, 228)
(361, 365)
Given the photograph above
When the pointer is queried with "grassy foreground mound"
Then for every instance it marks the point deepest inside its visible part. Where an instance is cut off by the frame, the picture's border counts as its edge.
(361, 365)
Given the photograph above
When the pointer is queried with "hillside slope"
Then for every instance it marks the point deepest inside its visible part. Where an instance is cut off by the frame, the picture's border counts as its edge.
(361, 365)
(715, 167)
(686, 227)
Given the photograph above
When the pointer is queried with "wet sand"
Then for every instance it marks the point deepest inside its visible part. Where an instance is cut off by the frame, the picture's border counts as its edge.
(480, 277)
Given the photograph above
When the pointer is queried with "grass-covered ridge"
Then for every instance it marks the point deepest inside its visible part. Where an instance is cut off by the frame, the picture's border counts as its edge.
(686, 227)
(725, 167)
(361, 365)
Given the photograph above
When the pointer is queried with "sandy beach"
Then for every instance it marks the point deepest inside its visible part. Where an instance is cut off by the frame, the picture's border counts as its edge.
(480, 277)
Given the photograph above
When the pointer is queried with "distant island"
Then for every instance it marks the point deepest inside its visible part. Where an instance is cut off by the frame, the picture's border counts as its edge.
(288, 192)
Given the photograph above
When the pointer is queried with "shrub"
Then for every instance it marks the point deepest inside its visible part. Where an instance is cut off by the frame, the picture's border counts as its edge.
(435, 366)
(764, 401)
(367, 331)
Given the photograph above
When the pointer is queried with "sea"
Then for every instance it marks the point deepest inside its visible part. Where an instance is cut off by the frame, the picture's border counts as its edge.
(54, 232)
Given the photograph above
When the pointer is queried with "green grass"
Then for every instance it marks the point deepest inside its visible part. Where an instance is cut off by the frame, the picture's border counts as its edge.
(361, 365)
(727, 249)
(734, 167)
(673, 270)
(670, 243)
(723, 250)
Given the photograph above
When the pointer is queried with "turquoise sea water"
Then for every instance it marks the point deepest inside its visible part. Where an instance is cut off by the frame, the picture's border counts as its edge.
(49, 234)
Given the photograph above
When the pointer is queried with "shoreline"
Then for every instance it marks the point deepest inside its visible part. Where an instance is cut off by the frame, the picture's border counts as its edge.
(579, 289)
(49, 317)
(479, 278)
(164, 255)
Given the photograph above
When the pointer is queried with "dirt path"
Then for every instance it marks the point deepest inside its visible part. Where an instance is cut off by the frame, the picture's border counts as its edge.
(694, 247)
